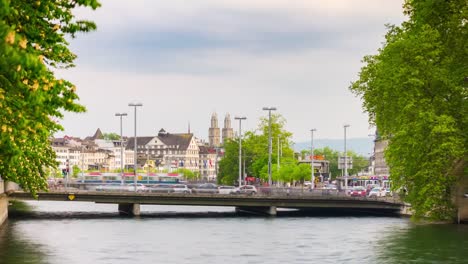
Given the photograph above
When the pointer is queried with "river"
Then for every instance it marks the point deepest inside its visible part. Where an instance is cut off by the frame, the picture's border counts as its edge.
(63, 232)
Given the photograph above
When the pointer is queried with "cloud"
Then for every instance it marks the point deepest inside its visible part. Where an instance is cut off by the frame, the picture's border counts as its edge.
(186, 59)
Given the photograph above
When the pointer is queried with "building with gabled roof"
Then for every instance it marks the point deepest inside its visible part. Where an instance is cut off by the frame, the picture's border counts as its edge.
(170, 151)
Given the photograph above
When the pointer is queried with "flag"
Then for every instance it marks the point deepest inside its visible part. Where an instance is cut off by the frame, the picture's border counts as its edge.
(204, 164)
(210, 163)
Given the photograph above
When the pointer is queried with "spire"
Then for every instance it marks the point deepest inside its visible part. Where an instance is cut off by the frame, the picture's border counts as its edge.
(227, 121)
(189, 127)
(214, 120)
(98, 134)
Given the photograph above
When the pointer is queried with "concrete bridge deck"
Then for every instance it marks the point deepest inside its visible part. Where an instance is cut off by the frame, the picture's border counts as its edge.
(256, 203)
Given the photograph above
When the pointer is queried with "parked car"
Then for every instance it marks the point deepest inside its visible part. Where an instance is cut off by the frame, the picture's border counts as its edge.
(388, 192)
(228, 190)
(181, 188)
(206, 188)
(161, 188)
(248, 189)
(330, 187)
(377, 192)
(369, 187)
(358, 191)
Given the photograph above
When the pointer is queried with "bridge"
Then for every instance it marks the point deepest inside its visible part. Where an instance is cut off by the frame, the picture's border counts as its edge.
(129, 202)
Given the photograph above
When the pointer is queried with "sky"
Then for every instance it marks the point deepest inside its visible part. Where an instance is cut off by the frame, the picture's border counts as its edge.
(184, 60)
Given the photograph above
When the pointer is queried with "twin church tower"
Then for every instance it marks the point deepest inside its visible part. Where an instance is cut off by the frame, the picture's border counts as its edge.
(213, 132)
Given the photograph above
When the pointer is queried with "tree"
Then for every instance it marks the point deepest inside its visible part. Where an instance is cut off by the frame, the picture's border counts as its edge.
(255, 151)
(229, 166)
(32, 44)
(111, 136)
(415, 92)
(75, 170)
(188, 174)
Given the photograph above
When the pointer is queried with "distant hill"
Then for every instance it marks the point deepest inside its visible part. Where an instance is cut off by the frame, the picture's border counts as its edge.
(362, 146)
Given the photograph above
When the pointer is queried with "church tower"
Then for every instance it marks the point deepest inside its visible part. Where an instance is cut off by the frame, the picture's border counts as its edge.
(227, 129)
(213, 132)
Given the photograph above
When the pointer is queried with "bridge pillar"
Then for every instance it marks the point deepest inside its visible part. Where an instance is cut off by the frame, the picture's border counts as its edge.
(129, 209)
(259, 210)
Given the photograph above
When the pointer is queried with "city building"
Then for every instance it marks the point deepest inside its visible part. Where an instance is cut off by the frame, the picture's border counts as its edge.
(228, 132)
(208, 162)
(380, 166)
(169, 151)
(213, 132)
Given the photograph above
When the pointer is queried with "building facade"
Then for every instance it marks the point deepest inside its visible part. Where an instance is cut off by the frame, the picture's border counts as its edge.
(213, 132)
(380, 166)
(228, 132)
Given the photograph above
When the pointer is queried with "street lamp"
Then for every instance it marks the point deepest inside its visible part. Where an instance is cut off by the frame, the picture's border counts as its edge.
(121, 148)
(135, 105)
(312, 181)
(269, 109)
(240, 147)
(345, 159)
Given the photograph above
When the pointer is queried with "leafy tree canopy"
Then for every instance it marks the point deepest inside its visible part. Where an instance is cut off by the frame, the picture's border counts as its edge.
(32, 44)
(255, 151)
(415, 92)
(111, 136)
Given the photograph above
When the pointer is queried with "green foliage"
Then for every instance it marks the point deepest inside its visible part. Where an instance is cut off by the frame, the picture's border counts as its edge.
(75, 171)
(229, 166)
(188, 174)
(255, 151)
(33, 43)
(111, 136)
(415, 92)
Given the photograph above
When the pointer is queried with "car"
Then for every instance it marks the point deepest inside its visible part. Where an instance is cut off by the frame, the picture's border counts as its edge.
(248, 189)
(377, 192)
(358, 191)
(330, 189)
(388, 192)
(206, 188)
(181, 188)
(228, 190)
(161, 188)
(369, 187)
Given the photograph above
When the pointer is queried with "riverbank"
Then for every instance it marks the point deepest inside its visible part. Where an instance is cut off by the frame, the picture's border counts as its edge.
(3, 208)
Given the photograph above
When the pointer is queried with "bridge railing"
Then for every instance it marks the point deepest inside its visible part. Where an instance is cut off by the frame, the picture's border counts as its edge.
(261, 192)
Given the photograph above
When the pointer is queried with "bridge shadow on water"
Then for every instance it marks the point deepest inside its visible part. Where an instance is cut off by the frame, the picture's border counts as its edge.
(334, 213)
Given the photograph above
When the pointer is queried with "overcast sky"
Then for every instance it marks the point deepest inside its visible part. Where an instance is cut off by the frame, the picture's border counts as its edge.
(185, 60)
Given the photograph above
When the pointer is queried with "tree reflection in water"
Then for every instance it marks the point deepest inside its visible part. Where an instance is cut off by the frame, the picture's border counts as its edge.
(14, 250)
(424, 243)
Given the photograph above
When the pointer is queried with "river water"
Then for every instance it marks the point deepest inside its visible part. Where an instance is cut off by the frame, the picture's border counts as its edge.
(61, 232)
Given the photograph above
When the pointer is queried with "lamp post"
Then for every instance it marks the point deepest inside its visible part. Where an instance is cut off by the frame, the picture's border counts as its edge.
(345, 159)
(121, 148)
(269, 109)
(135, 105)
(240, 147)
(312, 181)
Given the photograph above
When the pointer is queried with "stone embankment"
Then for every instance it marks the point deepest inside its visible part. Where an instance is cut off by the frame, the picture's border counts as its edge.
(3, 204)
